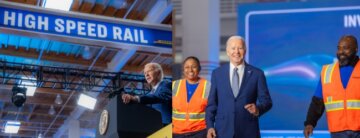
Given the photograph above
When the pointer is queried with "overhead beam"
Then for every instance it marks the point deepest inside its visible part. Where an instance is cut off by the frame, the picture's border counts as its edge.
(46, 124)
(6, 97)
(99, 7)
(38, 90)
(32, 123)
(75, 6)
(87, 6)
(137, 69)
(20, 134)
(130, 9)
(168, 20)
(31, 111)
(51, 56)
(30, 128)
(35, 114)
(41, 120)
(58, 77)
(31, 2)
(159, 11)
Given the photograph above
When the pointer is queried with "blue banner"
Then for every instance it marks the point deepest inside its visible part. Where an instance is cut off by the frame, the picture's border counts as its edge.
(83, 28)
(291, 41)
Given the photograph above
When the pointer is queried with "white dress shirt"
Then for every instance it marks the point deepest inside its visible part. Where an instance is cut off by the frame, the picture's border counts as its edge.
(155, 87)
(240, 71)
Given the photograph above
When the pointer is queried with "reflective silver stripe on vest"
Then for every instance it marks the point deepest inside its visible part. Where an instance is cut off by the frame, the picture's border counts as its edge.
(207, 89)
(328, 73)
(353, 104)
(178, 115)
(176, 85)
(333, 106)
(199, 116)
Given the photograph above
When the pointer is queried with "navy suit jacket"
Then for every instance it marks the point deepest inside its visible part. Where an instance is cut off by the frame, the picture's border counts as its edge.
(226, 113)
(160, 100)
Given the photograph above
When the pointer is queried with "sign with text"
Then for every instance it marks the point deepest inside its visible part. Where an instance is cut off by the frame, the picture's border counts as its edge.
(83, 28)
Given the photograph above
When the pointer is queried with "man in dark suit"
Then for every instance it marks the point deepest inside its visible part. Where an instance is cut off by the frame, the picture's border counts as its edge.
(238, 96)
(160, 95)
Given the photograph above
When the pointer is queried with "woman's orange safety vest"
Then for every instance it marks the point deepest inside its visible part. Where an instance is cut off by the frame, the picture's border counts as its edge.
(189, 116)
(342, 105)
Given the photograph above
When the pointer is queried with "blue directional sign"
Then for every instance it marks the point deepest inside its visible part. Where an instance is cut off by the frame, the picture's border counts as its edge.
(61, 24)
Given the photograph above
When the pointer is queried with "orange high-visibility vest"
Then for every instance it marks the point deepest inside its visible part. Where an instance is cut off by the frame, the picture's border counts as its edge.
(189, 116)
(342, 105)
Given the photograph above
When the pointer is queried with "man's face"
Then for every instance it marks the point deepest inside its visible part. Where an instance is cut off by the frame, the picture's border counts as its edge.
(346, 52)
(151, 75)
(235, 50)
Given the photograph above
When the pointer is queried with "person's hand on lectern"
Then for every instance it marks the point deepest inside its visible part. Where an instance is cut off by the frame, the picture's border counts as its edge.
(127, 98)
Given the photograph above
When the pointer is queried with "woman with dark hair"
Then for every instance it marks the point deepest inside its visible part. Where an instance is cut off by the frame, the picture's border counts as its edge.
(189, 97)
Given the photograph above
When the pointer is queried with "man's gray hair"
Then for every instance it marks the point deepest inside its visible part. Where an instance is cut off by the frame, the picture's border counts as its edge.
(157, 67)
(236, 37)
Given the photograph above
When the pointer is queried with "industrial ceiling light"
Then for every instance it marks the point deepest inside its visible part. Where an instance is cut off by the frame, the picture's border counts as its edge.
(87, 101)
(58, 4)
(12, 126)
(29, 85)
(52, 110)
(58, 99)
(40, 135)
(30, 91)
(18, 96)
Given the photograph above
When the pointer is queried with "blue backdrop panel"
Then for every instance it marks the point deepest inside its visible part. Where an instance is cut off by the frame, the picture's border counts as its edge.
(290, 42)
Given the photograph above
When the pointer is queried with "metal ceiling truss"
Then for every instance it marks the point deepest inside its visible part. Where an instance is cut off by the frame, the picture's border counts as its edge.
(68, 79)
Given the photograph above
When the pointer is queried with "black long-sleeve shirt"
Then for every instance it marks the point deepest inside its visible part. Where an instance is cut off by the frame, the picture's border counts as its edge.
(315, 111)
